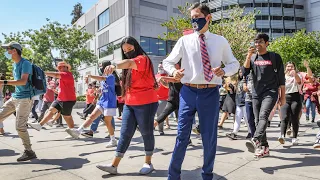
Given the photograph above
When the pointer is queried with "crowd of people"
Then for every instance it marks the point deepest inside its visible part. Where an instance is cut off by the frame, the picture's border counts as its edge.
(189, 82)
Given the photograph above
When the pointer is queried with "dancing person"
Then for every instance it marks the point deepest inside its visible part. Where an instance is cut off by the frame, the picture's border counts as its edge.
(21, 100)
(202, 54)
(66, 97)
(90, 106)
(141, 102)
(291, 110)
(2, 77)
(48, 97)
(310, 97)
(268, 75)
(229, 105)
(107, 104)
(240, 109)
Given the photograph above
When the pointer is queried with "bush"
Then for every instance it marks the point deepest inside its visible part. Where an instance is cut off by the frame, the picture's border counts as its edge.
(81, 98)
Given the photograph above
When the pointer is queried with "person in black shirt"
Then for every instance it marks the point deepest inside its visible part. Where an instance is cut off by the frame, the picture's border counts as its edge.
(268, 75)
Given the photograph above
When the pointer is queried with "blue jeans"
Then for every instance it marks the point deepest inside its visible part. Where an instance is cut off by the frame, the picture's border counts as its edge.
(250, 117)
(95, 123)
(206, 103)
(133, 116)
(310, 104)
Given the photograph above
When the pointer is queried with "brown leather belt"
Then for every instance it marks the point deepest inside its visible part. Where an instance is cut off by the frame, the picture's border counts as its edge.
(201, 86)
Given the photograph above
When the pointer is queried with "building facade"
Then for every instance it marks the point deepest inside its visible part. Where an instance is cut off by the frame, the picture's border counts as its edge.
(313, 15)
(276, 18)
(111, 20)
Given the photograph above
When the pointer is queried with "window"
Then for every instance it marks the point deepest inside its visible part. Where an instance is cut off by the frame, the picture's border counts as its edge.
(277, 30)
(153, 46)
(262, 17)
(170, 45)
(288, 18)
(108, 49)
(103, 19)
(300, 19)
(288, 5)
(298, 6)
(289, 30)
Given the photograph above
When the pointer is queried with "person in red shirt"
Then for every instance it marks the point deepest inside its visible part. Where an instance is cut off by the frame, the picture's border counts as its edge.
(311, 98)
(48, 97)
(66, 96)
(141, 102)
(163, 95)
(90, 96)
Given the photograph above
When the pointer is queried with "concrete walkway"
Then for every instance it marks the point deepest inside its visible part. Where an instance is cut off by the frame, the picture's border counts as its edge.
(63, 159)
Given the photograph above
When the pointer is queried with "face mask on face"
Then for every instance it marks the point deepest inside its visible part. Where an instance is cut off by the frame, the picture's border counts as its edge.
(198, 24)
(8, 56)
(131, 54)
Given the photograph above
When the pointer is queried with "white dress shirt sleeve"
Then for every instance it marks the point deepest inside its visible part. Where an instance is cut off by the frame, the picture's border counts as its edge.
(231, 63)
(173, 58)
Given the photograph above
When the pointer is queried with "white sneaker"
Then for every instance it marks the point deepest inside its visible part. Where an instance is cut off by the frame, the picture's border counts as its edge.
(50, 123)
(295, 141)
(146, 169)
(112, 143)
(35, 126)
(108, 168)
(73, 133)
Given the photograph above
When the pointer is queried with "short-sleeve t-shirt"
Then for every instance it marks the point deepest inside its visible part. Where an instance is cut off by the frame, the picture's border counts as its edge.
(90, 96)
(20, 68)
(291, 85)
(142, 89)
(108, 99)
(49, 95)
(163, 92)
(66, 87)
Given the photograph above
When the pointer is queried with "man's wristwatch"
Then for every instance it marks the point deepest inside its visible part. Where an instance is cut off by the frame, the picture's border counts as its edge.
(5, 82)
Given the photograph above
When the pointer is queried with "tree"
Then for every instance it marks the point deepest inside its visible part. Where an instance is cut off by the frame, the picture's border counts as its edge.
(41, 44)
(237, 28)
(301, 46)
(76, 13)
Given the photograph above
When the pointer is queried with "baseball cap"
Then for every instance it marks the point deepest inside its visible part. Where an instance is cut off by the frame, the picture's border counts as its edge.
(12, 45)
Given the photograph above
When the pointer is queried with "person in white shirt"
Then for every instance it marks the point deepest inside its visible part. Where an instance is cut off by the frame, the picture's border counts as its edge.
(201, 54)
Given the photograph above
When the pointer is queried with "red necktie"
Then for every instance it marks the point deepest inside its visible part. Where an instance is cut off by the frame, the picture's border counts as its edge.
(208, 75)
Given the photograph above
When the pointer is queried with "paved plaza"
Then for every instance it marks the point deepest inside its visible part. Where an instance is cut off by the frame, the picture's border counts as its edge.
(63, 159)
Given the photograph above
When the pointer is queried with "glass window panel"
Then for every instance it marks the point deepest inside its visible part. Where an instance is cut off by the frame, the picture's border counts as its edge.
(103, 19)
(153, 46)
(144, 43)
(162, 48)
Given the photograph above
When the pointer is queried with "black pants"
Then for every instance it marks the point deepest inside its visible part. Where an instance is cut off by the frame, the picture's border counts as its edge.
(290, 113)
(263, 105)
(34, 113)
(170, 107)
(88, 110)
(250, 117)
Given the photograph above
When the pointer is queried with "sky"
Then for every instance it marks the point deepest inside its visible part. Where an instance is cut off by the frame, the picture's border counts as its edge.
(21, 15)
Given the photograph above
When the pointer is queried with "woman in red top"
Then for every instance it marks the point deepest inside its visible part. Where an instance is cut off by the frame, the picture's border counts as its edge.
(311, 98)
(141, 102)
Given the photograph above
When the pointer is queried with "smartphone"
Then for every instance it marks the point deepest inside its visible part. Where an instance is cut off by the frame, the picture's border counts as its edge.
(252, 44)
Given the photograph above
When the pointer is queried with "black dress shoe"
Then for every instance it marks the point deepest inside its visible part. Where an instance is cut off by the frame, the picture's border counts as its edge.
(27, 155)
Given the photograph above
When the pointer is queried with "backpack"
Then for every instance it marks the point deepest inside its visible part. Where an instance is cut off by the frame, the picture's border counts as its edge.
(38, 80)
(274, 65)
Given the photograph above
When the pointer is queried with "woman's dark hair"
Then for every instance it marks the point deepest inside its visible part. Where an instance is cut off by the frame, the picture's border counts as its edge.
(126, 73)
(240, 77)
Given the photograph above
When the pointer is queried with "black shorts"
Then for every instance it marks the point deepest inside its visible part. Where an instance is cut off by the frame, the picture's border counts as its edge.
(65, 107)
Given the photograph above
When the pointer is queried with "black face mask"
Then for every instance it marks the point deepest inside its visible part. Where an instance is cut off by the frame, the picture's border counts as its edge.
(131, 54)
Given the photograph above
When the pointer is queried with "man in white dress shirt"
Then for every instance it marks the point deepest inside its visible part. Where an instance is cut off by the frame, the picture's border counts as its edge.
(202, 53)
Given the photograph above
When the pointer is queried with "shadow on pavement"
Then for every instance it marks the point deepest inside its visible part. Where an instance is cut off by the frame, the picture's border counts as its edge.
(7, 152)
(306, 161)
(64, 164)
(186, 175)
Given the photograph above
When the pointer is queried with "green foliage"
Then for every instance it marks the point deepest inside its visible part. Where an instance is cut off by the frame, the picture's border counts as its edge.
(81, 98)
(236, 29)
(76, 12)
(301, 46)
(39, 45)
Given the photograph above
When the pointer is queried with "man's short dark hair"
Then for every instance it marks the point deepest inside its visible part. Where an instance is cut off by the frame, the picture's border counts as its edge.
(263, 36)
(202, 6)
